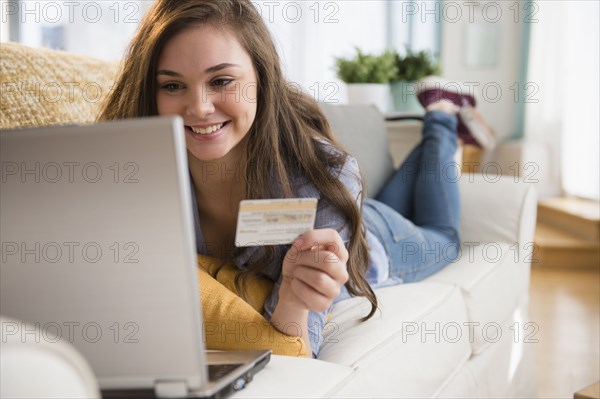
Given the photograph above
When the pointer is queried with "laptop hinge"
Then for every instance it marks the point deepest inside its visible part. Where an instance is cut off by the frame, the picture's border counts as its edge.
(171, 389)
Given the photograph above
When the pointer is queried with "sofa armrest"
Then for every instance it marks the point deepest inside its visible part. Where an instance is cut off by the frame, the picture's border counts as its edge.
(497, 210)
(36, 364)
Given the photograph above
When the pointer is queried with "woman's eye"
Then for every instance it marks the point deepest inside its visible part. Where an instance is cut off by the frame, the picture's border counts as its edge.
(171, 87)
(221, 82)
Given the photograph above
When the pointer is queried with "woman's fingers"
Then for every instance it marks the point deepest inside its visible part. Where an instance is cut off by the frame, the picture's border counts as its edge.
(321, 282)
(320, 260)
(327, 239)
(309, 296)
(314, 269)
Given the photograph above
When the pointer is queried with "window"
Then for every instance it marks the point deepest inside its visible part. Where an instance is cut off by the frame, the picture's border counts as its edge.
(309, 33)
(101, 29)
(564, 63)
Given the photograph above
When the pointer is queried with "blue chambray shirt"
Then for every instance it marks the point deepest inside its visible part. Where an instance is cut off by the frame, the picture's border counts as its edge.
(327, 217)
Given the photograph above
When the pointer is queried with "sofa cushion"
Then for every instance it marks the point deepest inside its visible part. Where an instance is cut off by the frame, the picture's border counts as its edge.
(417, 334)
(497, 209)
(292, 377)
(362, 131)
(512, 374)
(493, 283)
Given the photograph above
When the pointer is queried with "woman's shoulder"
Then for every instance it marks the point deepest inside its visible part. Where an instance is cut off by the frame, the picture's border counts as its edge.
(347, 171)
(350, 163)
(349, 167)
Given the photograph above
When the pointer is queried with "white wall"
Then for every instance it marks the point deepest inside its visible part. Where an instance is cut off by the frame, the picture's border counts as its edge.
(101, 29)
(309, 34)
(3, 22)
(309, 44)
(466, 27)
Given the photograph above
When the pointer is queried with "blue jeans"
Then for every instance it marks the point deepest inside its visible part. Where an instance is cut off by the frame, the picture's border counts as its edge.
(416, 216)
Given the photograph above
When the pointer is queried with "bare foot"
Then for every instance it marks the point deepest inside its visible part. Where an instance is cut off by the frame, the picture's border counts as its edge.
(444, 105)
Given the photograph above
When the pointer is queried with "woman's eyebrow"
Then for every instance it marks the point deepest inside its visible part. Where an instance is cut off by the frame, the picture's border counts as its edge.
(214, 68)
(168, 73)
(218, 67)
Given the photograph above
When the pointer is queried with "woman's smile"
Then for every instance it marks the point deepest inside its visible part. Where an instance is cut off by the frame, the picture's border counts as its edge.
(207, 132)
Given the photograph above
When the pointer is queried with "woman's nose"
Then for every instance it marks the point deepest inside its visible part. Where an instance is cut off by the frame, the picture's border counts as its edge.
(200, 103)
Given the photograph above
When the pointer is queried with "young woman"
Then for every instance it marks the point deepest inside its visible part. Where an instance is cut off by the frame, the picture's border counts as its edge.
(250, 135)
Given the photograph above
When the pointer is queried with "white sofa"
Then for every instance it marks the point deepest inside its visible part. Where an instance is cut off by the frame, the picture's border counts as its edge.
(463, 332)
(41, 368)
(460, 333)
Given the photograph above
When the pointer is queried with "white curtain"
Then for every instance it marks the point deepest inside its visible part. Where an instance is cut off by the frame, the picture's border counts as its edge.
(563, 73)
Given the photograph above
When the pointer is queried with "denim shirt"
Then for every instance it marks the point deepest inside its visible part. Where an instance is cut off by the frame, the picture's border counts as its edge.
(327, 217)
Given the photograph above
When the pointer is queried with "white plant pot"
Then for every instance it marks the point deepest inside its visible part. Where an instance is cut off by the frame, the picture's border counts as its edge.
(404, 95)
(378, 94)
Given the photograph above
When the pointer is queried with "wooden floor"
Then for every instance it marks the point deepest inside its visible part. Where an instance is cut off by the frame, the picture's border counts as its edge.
(565, 303)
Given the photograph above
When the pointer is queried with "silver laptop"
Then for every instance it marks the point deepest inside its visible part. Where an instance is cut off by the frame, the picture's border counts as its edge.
(98, 249)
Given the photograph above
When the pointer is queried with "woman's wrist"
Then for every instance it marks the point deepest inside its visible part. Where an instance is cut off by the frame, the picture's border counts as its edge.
(286, 316)
(291, 320)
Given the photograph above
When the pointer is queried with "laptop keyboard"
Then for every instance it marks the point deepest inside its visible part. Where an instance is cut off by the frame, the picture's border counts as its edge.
(216, 371)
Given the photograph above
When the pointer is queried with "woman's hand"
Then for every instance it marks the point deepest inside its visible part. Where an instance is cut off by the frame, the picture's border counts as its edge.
(314, 269)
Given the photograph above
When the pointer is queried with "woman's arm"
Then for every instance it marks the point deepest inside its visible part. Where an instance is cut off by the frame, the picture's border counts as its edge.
(286, 311)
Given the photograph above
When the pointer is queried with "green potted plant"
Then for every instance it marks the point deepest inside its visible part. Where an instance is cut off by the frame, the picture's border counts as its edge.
(367, 77)
(411, 68)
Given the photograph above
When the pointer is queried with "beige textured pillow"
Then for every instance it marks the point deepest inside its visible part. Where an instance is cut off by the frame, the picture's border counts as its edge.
(40, 87)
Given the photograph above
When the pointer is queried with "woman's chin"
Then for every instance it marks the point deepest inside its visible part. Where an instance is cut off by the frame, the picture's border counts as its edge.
(206, 155)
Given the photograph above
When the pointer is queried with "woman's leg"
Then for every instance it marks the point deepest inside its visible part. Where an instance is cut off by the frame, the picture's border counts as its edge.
(398, 193)
(424, 189)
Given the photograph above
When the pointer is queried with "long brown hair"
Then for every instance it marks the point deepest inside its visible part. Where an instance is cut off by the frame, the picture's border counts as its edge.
(281, 142)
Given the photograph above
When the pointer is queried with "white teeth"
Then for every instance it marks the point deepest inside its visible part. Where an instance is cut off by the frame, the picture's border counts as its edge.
(208, 130)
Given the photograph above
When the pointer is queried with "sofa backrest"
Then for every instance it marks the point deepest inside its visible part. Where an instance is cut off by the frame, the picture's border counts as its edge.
(361, 129)
(40, 87)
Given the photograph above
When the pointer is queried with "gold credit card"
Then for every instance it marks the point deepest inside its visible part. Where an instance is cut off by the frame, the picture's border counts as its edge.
(274, 221)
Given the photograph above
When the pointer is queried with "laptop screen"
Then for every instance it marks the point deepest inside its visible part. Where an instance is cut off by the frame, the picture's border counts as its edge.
(98, 247)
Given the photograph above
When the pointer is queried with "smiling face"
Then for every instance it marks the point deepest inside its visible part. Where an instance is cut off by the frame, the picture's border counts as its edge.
(205, 76)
